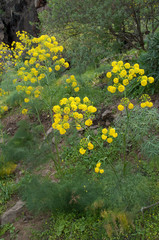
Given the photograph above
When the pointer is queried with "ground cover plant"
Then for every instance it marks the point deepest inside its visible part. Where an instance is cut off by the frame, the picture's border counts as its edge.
(106, 172)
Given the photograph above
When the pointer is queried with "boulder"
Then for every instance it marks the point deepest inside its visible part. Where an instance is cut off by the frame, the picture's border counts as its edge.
(10, 215)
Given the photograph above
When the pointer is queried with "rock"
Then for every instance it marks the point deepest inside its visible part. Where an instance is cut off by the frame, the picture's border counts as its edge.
(18, 15)
(106, 114)
(10, 215)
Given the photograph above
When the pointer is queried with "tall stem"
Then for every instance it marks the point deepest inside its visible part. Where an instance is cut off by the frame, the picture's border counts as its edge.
(106, 158)
(125, 141)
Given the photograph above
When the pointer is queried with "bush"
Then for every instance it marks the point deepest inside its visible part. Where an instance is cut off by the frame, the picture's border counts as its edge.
(150, 61)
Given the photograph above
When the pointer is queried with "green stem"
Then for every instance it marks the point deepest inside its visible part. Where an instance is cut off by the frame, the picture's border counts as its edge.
(125, 141)
(57, 164)
(106, 158)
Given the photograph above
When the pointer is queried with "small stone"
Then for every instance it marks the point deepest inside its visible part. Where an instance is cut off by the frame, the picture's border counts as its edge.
(10, 215)
(106, 114)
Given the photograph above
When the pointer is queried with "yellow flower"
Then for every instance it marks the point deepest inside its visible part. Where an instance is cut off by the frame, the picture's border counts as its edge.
(77, 100)
(101, 171)
(66, 110)
(63, 101)
(141, 71)
(82, 107)
(143, 83)
(104, 137)
(109, 140)
(112, 89)
(26, 100)
(78, 126)
(151, 79)
(136, 65)
(85, 99)
(127, 65)
(82, 151)
(66, 125)
(115, 135)
(149, 104)
(98, 164)
(131, 72)
(68, 80)
(104, 131)
(91, 109)
(108, 74)
(143, 104)
(123, 73)
(120, 63)
(5, 108)
(76, 89)
(125, 82)
(120, 107)
(90, 146)
(50, 69)
(56, 109)
(116, 80)
(24, 111)
(121, 88)
(54, 58)
(88, 122)
(74, 84)
(111, 131)
(62, 131)
(114, 63)
(96, 170)
(131, 106)
(57, 67)
(66, 64)
(28, 92)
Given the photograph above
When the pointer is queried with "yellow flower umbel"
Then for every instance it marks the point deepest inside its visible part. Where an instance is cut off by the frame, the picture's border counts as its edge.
(122, 74)
(146, 101)
(72, 82)
(109, 134)
(72, 109)
(125, 103)
(84, 145)
(97, 168)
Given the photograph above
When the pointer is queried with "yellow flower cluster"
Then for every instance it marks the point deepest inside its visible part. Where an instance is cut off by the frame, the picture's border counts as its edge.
(122, 74)
(97, 168)
(8, 169)
(3, 109)
(24, 111)
(72, 108)
(73, 83)
(146, 101)
(5, 56)
(125, 102)
(145, 79)
(2, 92)
(109, 134)
(84, 145)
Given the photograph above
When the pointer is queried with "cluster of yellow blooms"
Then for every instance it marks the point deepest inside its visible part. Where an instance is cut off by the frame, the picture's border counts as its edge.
(84, 145)
(125, 102)
(5, 56)
(73, 83)
(41, 56)
(97, 168)
(3, 108)
(107, 134)
(30, 94)
(146, 101)
(8, 169)
(73, 108)
(122, 74)
(2, 92)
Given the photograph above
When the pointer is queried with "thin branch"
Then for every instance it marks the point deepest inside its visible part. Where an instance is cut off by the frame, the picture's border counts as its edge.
(150, 206)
